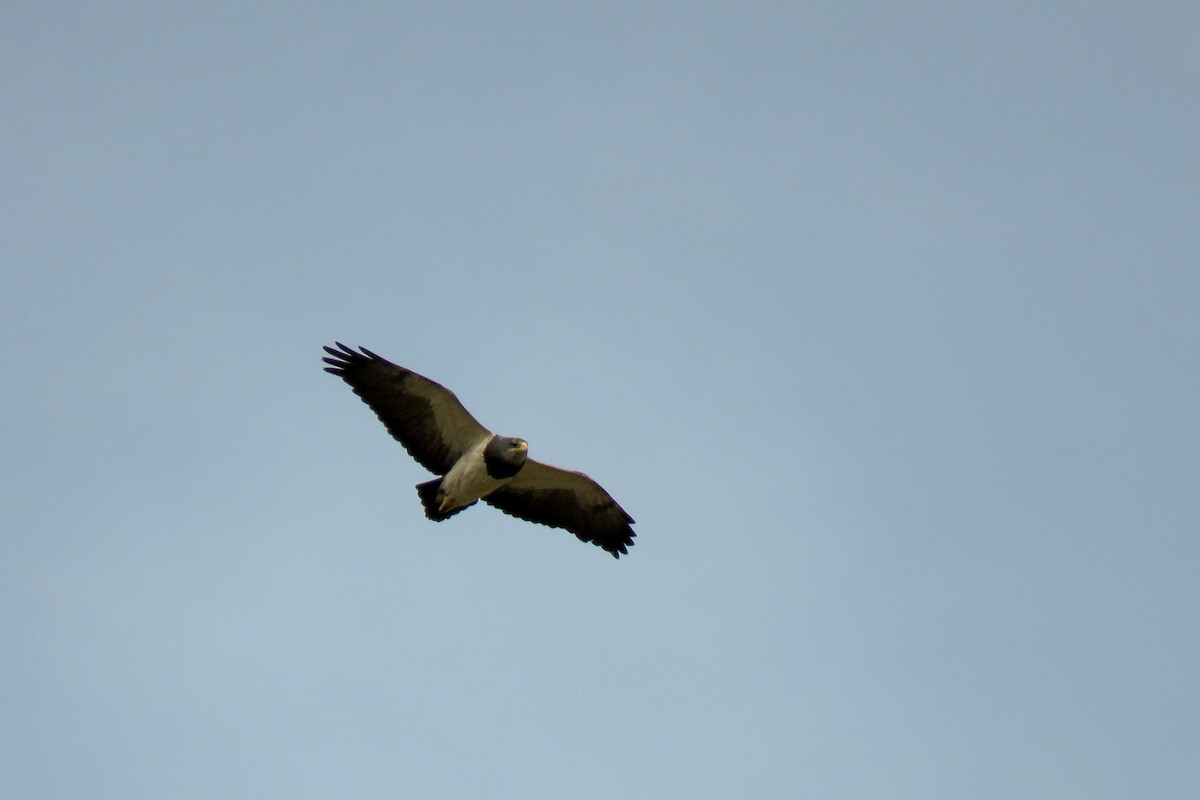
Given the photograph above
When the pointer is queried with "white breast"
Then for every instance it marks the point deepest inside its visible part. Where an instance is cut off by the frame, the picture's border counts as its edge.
(468, 479)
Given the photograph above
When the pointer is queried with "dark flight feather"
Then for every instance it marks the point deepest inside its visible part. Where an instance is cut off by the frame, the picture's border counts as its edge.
(420, 414)
(564, 499)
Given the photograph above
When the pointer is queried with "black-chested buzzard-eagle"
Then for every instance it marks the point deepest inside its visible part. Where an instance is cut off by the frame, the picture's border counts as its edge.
(474, 463)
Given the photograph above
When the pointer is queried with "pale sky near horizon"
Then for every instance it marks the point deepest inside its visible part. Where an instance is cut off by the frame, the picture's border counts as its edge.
(881, 320)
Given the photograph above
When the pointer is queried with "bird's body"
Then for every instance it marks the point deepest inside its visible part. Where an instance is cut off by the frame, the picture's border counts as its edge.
(474, 463)
(485, 467)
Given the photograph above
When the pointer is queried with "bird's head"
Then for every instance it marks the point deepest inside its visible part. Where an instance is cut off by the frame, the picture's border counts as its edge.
(505, 455)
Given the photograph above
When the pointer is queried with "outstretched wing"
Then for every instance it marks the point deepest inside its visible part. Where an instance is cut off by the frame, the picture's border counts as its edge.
(561, 498)
(422, 415)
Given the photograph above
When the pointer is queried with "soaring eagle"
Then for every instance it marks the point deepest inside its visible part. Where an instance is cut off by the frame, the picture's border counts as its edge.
(474, 463)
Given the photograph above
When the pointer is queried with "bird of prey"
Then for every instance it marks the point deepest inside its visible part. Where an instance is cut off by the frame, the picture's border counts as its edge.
(474, 463)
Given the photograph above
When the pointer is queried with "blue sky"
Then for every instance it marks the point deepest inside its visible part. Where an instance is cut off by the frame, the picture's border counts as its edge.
(880, 319)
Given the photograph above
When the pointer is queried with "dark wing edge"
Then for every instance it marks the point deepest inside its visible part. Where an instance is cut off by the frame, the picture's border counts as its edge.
(569, 500)
(424, 416)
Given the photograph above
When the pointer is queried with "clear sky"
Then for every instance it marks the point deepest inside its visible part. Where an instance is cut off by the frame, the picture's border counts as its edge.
(880, 318)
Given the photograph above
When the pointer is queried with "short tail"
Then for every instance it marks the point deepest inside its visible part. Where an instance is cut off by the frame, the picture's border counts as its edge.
(428, 492)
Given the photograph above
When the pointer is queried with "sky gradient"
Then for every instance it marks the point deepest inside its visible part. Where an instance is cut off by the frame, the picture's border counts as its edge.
(881, 320)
